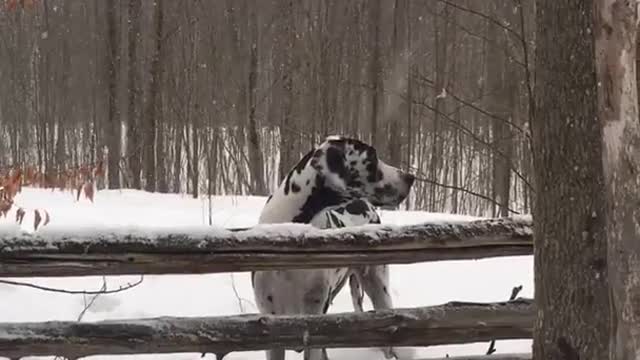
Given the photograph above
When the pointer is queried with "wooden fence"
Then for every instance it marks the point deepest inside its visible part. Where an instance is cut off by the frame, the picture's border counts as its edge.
(58, 252)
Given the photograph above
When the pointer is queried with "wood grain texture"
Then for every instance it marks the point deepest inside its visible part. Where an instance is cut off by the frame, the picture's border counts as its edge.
(209, 250)
(451, 323)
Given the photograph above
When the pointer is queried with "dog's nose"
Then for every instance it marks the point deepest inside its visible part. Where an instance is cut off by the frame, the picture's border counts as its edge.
(408, 178)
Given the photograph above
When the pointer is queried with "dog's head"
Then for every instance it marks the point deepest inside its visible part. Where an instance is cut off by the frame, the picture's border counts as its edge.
(353, 169)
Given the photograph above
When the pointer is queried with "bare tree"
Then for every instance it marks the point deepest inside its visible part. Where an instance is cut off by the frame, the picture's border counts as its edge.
(112, 125)
(572, 296)
(152, 109)
(616, 41)
(133, 93)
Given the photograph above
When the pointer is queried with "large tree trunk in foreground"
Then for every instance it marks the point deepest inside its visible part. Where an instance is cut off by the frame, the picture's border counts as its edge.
(450, 323)
(616, 32)
(569, 240)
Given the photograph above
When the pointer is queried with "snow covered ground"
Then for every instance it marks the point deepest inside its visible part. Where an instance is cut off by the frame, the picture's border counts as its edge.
(208, 295)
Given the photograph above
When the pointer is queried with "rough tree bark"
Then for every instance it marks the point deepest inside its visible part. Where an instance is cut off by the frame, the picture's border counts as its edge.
(287, 146)
(112, 124)
(498, 105)
(255, 152)
(133, 94)
(375, 69)
(616, 35)
(152, 110)
(569, 229)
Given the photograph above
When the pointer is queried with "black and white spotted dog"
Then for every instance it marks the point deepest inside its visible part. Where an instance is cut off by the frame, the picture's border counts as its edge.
(335, 185)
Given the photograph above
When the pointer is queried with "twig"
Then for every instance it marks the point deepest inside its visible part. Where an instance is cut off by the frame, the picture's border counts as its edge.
(514, 292)
(93, 299)
(484, 16)
(235, 291)
(73, 292)
(237, 294)
(470, 192)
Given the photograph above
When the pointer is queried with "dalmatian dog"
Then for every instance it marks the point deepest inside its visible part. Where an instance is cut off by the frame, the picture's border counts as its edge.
(337, 184)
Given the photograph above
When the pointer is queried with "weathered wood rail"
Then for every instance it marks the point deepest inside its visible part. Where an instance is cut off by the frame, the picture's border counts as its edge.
(489, 357)
(451, 323)
(110, 251)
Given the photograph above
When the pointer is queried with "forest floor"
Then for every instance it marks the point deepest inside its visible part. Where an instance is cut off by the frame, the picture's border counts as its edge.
(210, 295)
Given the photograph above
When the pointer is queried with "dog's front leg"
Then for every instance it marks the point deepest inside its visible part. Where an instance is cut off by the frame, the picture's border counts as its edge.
(375, 282)
(275, 354)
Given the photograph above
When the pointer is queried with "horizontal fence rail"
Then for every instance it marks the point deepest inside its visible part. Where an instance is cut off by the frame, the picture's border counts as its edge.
(451, 323)
(53, 252)
(488, 357)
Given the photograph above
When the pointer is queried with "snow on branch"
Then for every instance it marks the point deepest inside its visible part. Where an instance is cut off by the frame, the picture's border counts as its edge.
(118, 251)
(451, 323)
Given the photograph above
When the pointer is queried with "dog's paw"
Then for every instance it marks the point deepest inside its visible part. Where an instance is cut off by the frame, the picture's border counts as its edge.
(401, 353)
(390, 353)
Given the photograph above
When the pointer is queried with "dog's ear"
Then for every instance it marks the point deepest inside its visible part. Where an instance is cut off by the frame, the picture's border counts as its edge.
(336, 161)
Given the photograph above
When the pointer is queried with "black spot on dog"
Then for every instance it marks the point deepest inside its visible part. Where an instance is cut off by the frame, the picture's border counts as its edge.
(270, 298)
(321, 197)
(340, 210)
(360, 147)
(273, 313)
(357, 207)
(287, 183)
(327, 303)
(337, 222)
(308, 182)
(353, 163)
(304, 161)
(298, 169)
(385, 290)
(335, 161)
(337, 271)
(373, 173)
(387, 189)
(318, 153)
(294, 187)
(269, 198)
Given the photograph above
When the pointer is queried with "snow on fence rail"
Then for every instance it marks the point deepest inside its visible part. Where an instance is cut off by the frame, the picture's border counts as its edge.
(451, 323)
(110, 251)
(53, 252)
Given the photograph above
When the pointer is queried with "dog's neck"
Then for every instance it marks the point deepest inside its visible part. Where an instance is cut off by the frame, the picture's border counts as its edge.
(299, 198)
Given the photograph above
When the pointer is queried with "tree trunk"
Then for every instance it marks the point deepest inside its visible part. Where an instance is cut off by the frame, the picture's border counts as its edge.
(195, 156)
(113, 120)
(177, 160)
(152, 111)
(569, 230)
(255, 152)
(133, 122)
(616, 35)
(375, 69)
(287, 146)
(498, 106)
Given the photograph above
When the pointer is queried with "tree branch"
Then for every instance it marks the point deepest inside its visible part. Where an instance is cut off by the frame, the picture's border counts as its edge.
(73, 292)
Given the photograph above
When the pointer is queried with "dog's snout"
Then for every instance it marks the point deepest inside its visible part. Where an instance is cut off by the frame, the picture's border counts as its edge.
(408, 178)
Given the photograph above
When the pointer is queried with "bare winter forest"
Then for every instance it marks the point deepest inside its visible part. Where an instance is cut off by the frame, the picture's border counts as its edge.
(222, 97)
